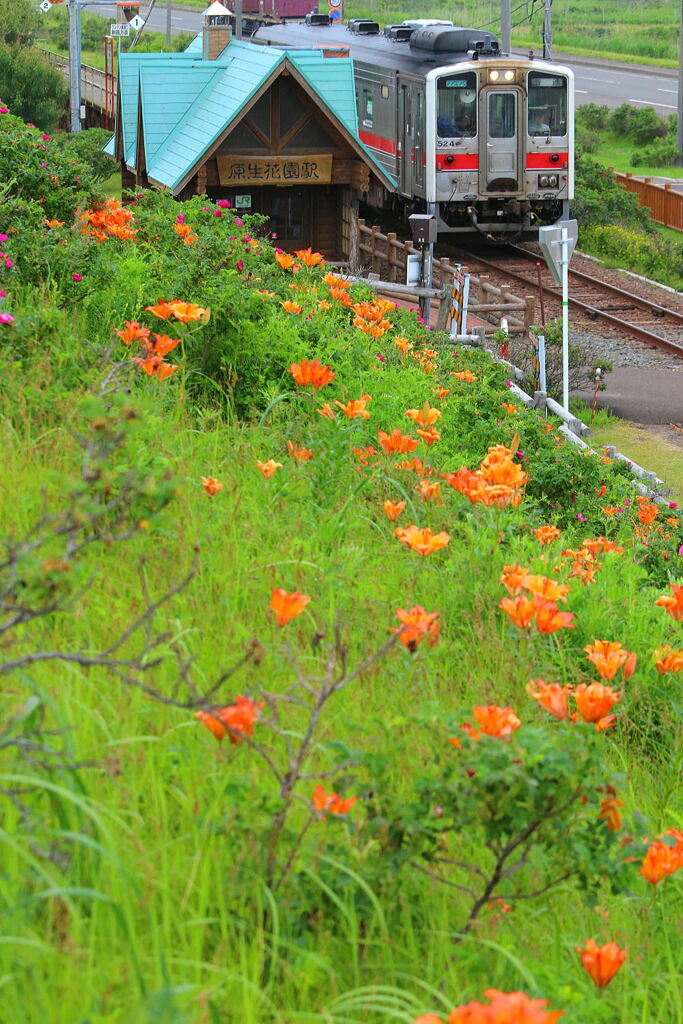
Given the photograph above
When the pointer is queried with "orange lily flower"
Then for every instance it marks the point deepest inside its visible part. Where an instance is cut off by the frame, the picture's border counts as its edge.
(183, 230)
(441, 392)
(426, 416)
(161, 345)
(397, 442)
(313, 373)
(164, 310)
(355, 409)
(595, 701)
(287, 606)
(429, 436)
(285, 259)
(545, 588)
(601, 963)
(393, 509)
(291, 307)
(189, 312)
(417, 625)
(300, 454)
(465, 375)
(668, 660)
(513, 577)
(154, 366)
(327, 411)
(609, 812)
(673, 602)
(416, 465)
(334, 281)
(423, 541)
(340, 296)
(496, 721)
(546, 534)
(52, 224)
(504, 1008)
(551, 696)
(663, 857)
(308, 257)
(269, 467)
(429, 491)
(133, 332)
(324, 305)
(331, 803)
(608, 657)
(509, 407)
(211, 485)
(232, 720)
(403, 345)
(520, 609)
(549, 619)
(365, 454)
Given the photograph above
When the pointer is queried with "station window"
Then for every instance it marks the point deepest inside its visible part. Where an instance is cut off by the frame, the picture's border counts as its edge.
(367, 108)
(502, 110)
(547, 104)
(456, 106)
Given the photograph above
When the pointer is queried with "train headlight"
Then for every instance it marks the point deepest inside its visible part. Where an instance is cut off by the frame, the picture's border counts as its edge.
(543, 181)
(494, 76)
(553, 181)
(508, 76)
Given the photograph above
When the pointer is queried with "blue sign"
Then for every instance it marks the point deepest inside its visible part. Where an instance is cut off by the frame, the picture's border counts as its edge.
(335, 14)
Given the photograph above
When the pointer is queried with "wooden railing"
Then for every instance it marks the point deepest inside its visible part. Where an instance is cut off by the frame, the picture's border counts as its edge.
(664, 202)
(95, 89)
(387, 256)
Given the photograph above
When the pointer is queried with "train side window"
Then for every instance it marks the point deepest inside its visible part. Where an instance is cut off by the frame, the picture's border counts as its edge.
(456, 108)
(502, 106)
(547, 104)
(367, 108)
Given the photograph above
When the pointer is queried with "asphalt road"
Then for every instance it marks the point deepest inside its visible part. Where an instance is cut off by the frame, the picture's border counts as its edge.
(602, 82)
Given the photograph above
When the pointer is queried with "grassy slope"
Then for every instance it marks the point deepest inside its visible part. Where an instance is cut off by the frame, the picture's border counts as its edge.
(616, 151)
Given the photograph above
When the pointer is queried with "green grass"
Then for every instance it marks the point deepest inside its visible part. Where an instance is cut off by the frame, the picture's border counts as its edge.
(616, 151)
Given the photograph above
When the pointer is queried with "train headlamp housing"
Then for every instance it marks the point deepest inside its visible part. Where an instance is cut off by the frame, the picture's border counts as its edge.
(494, 76)
(548, 181)
(508, 76)
(501, 75)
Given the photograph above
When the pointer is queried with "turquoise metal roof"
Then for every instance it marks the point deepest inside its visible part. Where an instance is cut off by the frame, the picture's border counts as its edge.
(188, 103)
(195, 47)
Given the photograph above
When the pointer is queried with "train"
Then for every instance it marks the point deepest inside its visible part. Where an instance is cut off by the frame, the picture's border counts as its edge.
(480, 139)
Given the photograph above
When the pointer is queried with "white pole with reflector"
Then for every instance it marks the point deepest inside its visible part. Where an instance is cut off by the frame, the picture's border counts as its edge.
(558, 243)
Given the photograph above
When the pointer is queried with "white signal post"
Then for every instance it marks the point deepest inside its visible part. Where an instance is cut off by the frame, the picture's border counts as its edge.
(558, 243)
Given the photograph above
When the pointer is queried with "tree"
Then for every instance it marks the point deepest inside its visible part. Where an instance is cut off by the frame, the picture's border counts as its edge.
(31, 88)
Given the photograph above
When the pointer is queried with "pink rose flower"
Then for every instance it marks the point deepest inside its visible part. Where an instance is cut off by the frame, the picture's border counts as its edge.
(6, 318)
(77, 277)
(224, 204)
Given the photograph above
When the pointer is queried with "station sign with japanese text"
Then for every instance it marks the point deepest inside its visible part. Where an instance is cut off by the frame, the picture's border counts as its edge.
(307, 169)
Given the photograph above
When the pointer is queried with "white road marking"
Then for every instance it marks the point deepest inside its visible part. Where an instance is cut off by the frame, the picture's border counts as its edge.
(649, 103)
(674, 91)
(584, 91)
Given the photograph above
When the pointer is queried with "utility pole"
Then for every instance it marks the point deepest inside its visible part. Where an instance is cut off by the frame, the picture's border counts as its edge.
(547, 30)
(169, 9)
(506, 25)
(238, 19)
(680, 91)
(75, 64)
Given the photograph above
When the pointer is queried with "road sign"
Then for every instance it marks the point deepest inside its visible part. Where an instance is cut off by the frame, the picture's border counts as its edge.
(335, 14)
(136, 23)
(45, 6)
(119, 30)
(550, 241)
(335, 3)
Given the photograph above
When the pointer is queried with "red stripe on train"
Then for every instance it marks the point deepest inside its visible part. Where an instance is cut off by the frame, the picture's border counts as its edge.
(543, 161)
(457, 161)
(377, 142)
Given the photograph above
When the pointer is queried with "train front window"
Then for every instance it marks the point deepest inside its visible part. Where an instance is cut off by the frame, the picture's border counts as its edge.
(547, 104)
(456, 107)
(502, 109)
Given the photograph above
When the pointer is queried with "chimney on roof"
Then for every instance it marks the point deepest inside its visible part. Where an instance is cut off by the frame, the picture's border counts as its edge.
(215, 30)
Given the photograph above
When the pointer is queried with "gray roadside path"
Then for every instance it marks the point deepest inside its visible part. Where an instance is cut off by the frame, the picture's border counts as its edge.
(642, 396)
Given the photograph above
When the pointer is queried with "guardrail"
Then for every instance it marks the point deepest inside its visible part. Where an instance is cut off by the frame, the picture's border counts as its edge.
(97, 88)
(664, 202)
(387, 255)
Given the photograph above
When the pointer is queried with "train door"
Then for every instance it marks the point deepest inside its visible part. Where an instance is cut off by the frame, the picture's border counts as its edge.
(405, 139)
(501, 164)
(419, 141)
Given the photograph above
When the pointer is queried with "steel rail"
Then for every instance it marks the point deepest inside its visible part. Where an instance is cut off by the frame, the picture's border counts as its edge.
(634, 300)
(635, 330)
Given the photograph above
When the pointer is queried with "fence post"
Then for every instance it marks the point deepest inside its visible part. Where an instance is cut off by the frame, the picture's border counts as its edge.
(375, 251)
(529, 311)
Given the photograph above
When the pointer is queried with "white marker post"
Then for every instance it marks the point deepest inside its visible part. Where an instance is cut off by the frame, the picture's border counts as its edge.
(558, 243)
(564, 258)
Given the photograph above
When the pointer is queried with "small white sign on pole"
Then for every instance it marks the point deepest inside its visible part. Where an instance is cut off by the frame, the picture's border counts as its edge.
(558, 243)
(120, 30)
(45, 6)
(136, 23)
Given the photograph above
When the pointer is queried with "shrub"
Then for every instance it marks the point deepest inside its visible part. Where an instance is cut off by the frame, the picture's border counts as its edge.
(590, 115)
(662, 153)
(587, 141)
(599, 199)
(642, 124)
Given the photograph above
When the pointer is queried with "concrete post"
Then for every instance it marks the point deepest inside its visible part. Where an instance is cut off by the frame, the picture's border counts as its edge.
(75, 65)
(505, 25)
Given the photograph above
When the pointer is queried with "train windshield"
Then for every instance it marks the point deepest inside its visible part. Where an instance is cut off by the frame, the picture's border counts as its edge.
(547, 104)
(456, 107)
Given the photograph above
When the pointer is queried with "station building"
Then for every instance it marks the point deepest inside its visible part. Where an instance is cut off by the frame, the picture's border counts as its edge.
(274, 131)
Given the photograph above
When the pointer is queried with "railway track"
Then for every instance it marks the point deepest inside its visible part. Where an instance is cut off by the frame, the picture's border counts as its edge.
(595, 300)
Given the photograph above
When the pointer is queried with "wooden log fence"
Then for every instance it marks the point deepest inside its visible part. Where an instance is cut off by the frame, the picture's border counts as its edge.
(387, 256)
(664, 202)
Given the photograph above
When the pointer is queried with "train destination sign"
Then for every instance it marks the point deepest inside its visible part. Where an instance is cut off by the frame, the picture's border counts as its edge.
(307, 169)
